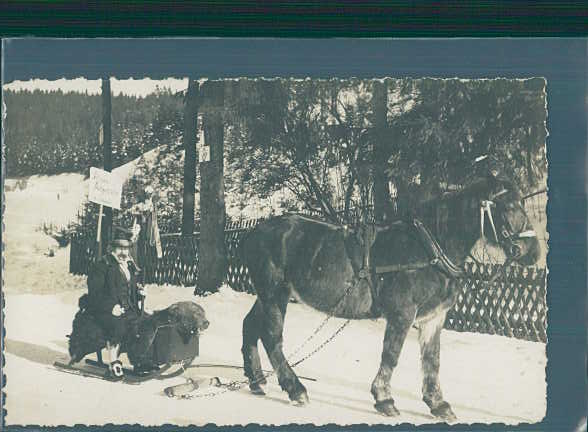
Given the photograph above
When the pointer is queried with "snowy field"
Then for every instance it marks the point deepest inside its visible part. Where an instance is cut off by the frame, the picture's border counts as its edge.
(486, 378)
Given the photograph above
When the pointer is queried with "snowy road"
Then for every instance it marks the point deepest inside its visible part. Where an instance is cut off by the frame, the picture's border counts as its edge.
(486, 378)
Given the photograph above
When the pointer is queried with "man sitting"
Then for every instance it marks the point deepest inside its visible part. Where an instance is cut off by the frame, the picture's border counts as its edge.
(114, 298)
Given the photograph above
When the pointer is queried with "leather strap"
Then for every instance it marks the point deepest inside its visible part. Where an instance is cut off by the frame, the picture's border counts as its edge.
(439, 258)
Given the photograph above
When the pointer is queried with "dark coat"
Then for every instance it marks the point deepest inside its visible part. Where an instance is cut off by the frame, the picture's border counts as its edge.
(107, 287)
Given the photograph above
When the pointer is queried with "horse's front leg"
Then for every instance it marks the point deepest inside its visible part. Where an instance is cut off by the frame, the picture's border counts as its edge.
(252, 325)
(271, 337)
(397, 325)
(430, 342)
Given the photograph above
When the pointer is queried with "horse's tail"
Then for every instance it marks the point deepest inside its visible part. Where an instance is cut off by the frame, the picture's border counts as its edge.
(245, 247)
(83, 302)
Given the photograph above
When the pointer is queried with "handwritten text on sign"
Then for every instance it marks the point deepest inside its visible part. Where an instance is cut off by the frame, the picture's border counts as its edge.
(203, 149)
(105, 188)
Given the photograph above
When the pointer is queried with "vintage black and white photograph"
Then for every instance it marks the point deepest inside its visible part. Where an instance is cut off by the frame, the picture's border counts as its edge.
(275, 251)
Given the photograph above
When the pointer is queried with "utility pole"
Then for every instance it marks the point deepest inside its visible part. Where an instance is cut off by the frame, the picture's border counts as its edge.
(106, 228)
(213, 258)
(190, 123)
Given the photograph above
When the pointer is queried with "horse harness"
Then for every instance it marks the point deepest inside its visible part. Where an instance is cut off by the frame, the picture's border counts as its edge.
(507, 235)
(366, 236)
(367, 233)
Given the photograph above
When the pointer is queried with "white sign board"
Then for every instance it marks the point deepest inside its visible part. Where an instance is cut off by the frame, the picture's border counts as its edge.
(204, 154)
(105, 188)
(203, 149)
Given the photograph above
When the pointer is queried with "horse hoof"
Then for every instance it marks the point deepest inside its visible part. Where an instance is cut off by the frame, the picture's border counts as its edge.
(444, 412)
(387, 408)
(256, 390)
(301, 399)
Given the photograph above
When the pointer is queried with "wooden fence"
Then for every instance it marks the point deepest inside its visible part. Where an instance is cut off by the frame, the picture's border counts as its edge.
(179, 263)
(514, 305)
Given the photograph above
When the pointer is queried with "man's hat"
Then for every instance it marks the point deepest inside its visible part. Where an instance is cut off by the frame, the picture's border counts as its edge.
(121, 237)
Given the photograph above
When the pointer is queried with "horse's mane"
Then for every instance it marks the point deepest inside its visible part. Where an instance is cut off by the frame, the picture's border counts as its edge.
(475, 188)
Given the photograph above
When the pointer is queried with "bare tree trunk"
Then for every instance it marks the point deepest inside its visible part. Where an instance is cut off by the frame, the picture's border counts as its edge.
(213, 260)
(106, 230)
(190, 120)
(380, 154)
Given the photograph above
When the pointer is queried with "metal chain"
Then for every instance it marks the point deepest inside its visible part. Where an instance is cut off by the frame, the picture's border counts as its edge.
(238, 384)
(325, 321)
(321, 346)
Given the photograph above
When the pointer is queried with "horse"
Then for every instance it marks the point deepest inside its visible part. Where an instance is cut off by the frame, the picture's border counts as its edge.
(405, 272)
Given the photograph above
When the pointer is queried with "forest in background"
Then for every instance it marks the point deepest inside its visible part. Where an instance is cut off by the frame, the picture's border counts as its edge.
(323, 145)
(54, 132)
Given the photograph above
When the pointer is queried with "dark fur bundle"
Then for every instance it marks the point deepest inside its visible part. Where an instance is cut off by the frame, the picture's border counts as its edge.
(187, 318)
(86, 336)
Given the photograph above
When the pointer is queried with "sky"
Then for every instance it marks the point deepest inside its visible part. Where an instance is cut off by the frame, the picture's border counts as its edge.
(130, 87)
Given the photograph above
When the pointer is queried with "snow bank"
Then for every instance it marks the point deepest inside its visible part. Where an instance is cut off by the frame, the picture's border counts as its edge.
(45, 200)
(486, 378)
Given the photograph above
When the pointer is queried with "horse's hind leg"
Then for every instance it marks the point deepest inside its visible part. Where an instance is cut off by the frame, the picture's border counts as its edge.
(430, 342)
(252, 325)
(397, 325)
(274, 311)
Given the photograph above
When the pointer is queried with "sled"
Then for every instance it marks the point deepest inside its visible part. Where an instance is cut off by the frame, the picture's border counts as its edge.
(98, 370)
(91, 371)
(159, 373)
(165, 339)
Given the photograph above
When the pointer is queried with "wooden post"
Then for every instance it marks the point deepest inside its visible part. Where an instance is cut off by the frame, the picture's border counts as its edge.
(106, 227)
(213, 260)
(190, 120)
(99, 232)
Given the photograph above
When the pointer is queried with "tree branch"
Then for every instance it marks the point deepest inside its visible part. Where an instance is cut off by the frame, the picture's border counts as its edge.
(325, 204)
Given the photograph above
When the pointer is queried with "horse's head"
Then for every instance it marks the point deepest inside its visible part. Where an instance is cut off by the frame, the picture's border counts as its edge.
(504, 221)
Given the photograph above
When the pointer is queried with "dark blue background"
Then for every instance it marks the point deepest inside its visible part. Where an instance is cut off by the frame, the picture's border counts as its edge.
(563, 62)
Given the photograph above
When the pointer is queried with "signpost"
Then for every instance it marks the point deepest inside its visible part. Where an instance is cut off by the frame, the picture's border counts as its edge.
(106, 190)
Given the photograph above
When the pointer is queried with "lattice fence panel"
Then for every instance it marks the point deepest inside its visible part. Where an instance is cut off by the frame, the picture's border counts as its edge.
(513, 305)
(179, 263)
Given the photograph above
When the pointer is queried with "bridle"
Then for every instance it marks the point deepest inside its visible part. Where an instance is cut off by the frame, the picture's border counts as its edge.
(507, 239)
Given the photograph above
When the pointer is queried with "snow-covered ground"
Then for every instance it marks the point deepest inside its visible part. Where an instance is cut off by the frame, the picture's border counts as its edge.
(486, 378)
